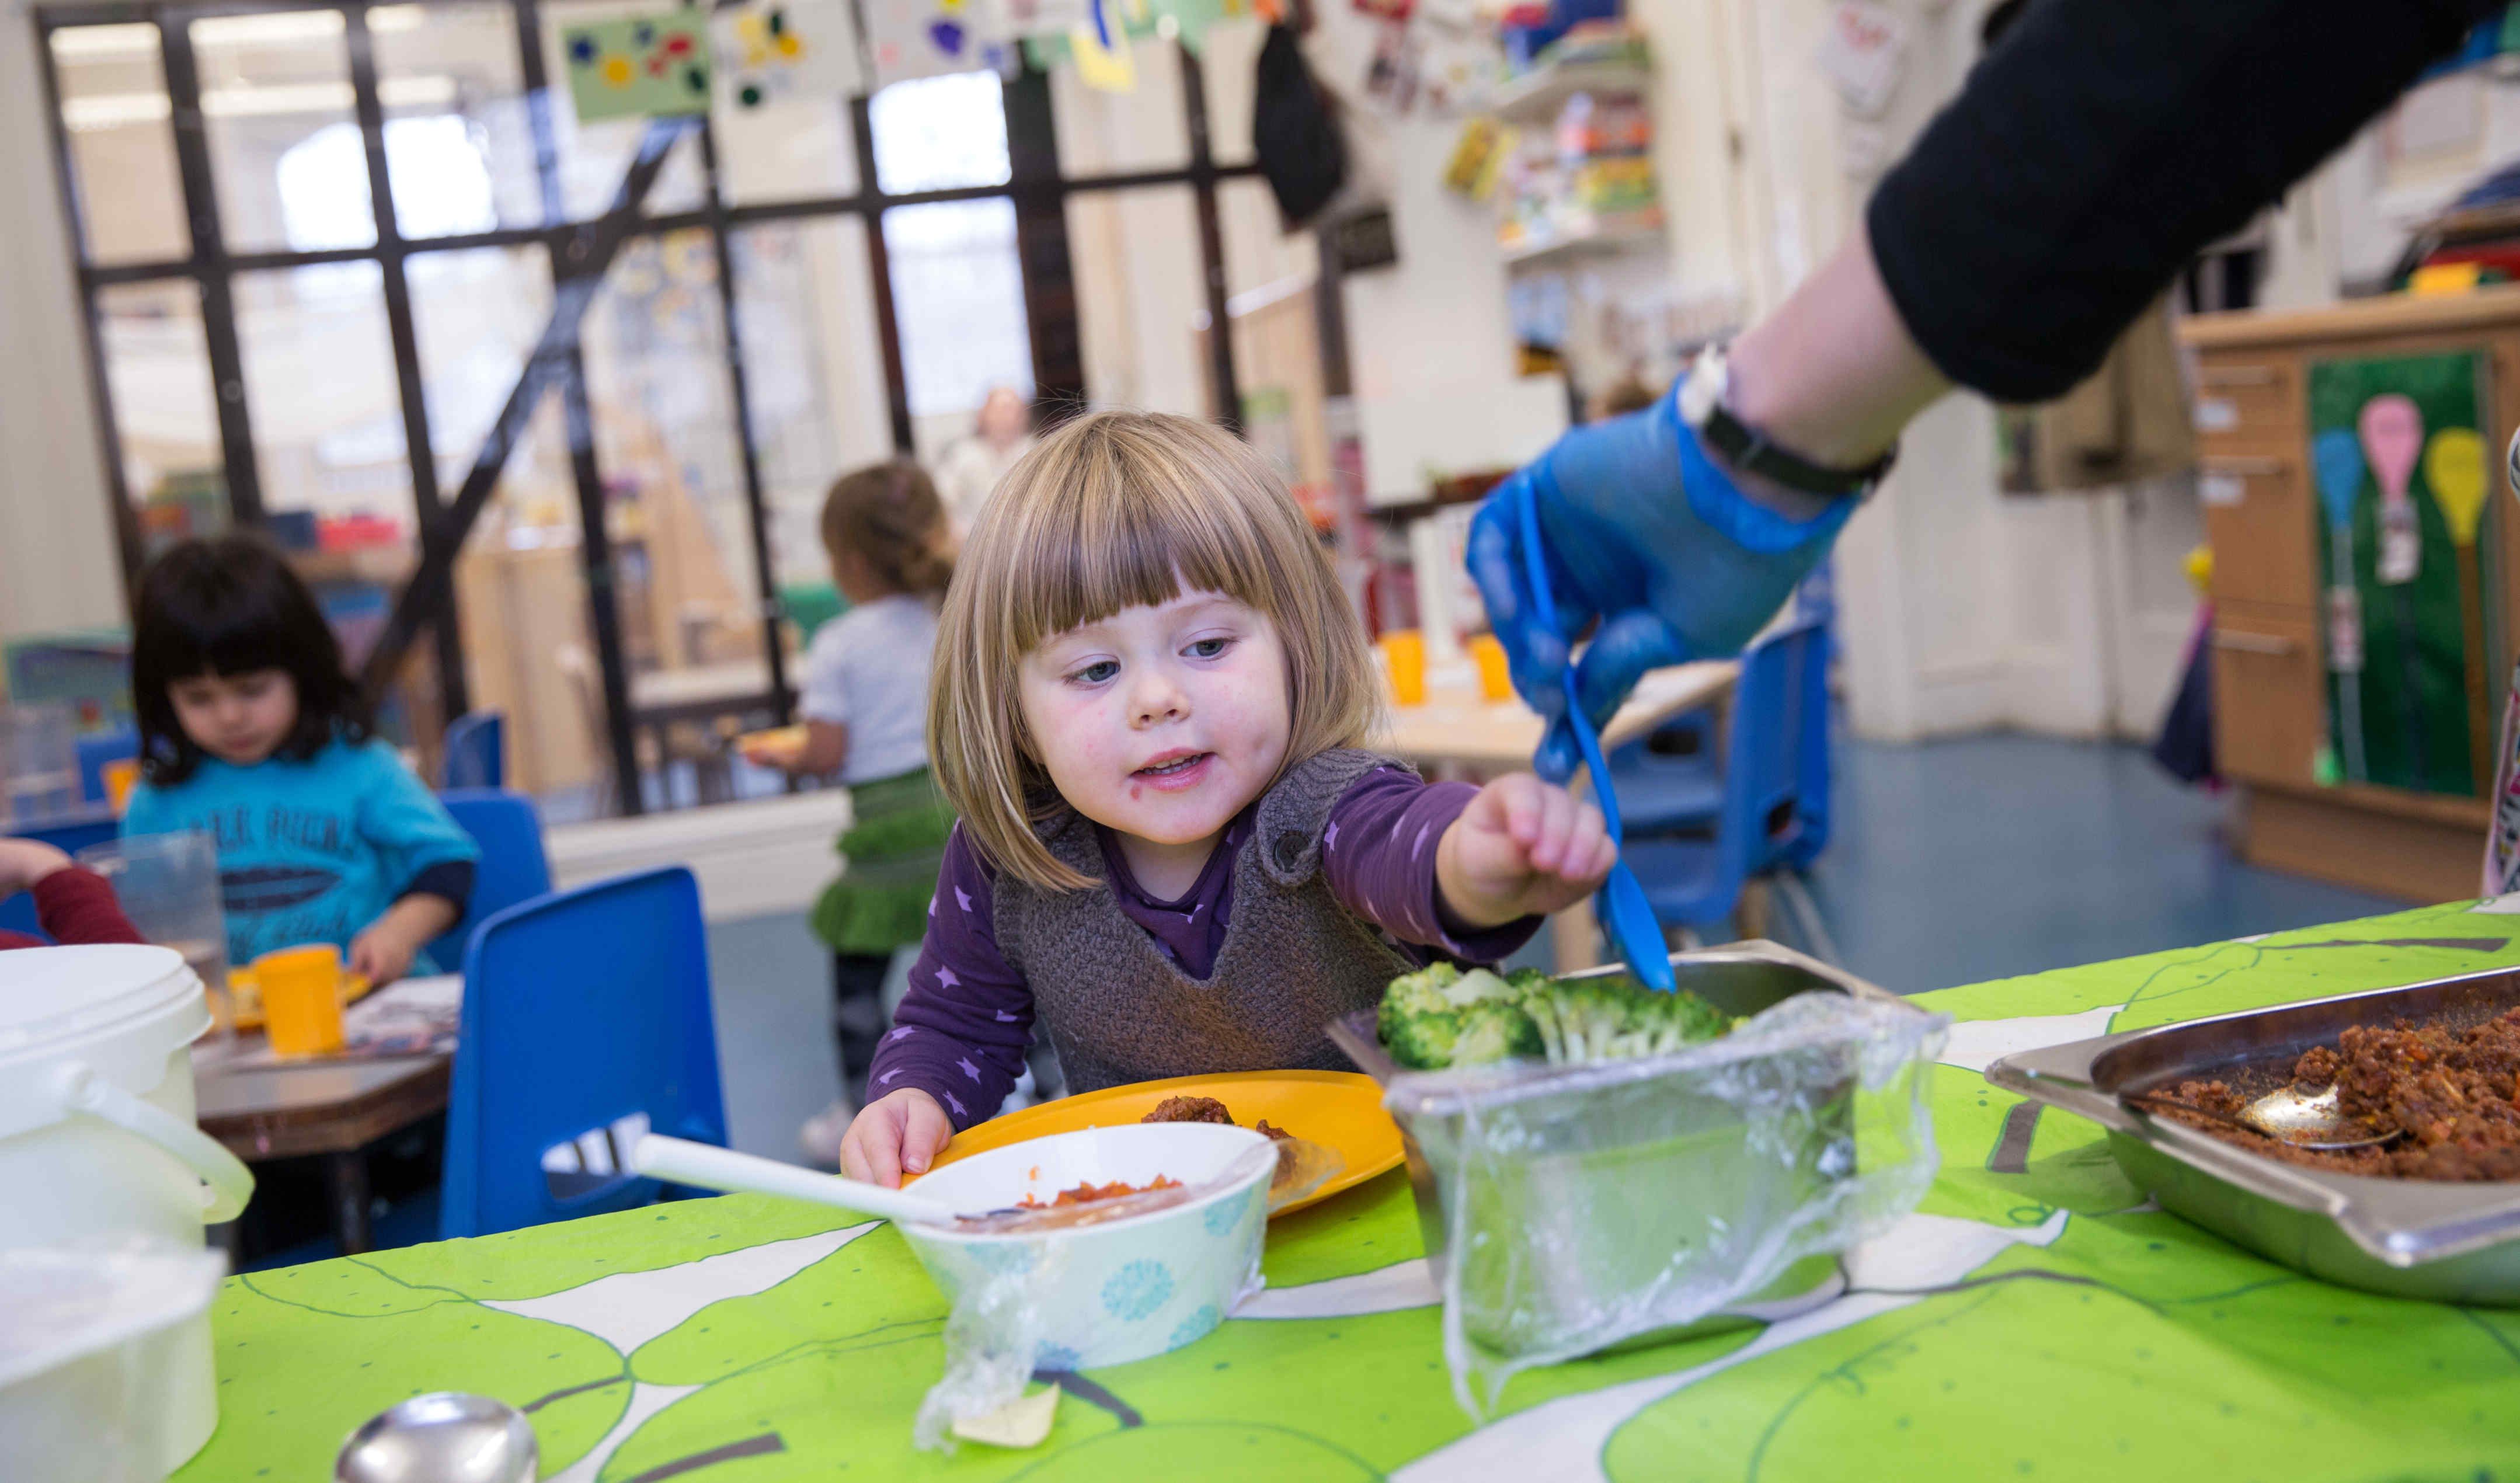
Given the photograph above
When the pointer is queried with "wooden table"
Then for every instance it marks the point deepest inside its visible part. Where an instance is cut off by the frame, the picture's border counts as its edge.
(700, 691)
(1459, 733)
(334, 1109)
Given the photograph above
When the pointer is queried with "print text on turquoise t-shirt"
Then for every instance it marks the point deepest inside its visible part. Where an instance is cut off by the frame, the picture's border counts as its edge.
(309, 851)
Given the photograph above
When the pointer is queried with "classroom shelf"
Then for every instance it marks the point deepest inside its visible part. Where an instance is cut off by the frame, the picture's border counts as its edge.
(1610, 234)
(1538, 95)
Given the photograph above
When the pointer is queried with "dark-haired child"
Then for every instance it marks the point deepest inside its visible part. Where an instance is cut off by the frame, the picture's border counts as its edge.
(252, 729)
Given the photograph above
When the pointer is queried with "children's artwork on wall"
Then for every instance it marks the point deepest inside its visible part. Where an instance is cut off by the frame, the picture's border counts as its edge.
(925, 38)
(777, 51)
(2399, 465)
(638, 67)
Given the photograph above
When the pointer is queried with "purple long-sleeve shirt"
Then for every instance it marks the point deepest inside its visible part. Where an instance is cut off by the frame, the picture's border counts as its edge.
(962, 1030)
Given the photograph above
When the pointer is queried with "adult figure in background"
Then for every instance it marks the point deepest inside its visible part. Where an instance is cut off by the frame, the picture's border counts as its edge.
(2088, 156)
(1001, 434)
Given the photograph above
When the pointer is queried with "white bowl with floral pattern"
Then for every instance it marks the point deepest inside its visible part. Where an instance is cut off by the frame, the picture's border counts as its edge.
(1123, 1289)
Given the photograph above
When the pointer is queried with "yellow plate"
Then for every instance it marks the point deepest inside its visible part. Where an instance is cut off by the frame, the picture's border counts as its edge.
(248, 996)
(1341, 1111)
(787, 740)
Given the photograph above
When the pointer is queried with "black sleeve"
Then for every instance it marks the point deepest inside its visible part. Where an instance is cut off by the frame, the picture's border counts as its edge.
(2101, 144)
(450, 879)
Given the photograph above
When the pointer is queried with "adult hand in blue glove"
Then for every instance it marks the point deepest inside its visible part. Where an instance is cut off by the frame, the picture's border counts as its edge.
(1645, 531)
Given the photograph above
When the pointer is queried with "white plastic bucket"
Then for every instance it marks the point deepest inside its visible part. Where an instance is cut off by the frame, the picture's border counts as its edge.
(84, 1359)
(97, 1148)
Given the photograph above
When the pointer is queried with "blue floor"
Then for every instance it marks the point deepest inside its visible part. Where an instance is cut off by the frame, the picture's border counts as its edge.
(1950, 863)
(1956, 861)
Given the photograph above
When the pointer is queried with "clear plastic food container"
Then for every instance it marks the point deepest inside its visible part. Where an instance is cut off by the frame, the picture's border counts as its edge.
(1568, 1209)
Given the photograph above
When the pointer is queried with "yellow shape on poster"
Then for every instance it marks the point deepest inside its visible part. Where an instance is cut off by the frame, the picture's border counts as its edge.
(1109, 70)
(2454, 465)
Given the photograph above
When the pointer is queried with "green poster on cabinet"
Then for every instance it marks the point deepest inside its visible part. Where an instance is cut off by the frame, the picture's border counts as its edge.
(2399, 466)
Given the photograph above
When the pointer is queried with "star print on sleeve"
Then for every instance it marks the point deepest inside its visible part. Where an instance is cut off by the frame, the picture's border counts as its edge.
(970, 1005)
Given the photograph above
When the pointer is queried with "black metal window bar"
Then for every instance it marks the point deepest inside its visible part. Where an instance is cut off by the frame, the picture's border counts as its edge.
(580, 251)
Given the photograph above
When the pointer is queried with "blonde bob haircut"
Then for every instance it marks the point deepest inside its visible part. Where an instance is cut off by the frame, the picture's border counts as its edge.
(1121, 509)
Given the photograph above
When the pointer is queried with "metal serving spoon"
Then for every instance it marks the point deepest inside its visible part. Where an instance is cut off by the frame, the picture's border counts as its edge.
(2288, 1115)
(443, 1438)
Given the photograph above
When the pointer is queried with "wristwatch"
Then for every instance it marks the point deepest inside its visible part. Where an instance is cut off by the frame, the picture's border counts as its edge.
(1750, 451)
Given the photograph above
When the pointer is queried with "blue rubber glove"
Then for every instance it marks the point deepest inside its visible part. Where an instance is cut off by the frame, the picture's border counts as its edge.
(1646, 533)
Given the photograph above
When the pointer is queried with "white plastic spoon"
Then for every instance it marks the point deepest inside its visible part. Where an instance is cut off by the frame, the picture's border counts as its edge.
(689, 1164)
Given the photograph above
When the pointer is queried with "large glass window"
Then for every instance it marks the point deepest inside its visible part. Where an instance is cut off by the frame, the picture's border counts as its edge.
(739, 351)
(129, 203)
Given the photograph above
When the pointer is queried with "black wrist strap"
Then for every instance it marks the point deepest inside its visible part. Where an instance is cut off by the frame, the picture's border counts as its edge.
(1749, 451)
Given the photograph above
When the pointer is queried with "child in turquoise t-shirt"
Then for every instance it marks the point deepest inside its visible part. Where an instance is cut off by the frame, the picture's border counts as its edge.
(252, 729)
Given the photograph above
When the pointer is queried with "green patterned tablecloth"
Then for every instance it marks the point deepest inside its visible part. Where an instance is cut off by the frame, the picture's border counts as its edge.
(2033, 1320)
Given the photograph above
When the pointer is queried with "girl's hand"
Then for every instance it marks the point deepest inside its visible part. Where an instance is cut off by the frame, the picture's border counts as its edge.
(901, 1132)
(384, 948)
(1522, 847)
(25, 862)
(381, 952)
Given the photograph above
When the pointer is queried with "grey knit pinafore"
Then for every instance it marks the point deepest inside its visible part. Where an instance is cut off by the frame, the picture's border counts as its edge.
(1293, 960)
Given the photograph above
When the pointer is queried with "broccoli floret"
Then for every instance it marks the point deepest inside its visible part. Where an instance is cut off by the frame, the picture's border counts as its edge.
(1411, 994)
(1493, 1030)
(1478, 987)
(1441, 1016)
(1425, 1041)
(1615, 1019)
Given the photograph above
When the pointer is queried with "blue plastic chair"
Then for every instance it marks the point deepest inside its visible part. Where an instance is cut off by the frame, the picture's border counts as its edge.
(582, 1011)
(98, 750)
(1673, 779)
(513, 868)
(1774, 811)
(475, 750)
(67, 832)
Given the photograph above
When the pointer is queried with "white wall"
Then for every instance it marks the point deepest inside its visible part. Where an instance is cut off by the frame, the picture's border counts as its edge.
(58, 563)
(1964, 609)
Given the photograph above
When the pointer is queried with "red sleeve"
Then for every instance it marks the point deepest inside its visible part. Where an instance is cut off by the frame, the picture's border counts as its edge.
(77, 905)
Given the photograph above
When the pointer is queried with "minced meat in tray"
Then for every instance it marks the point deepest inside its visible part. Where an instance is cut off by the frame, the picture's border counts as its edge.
(2453, 1093)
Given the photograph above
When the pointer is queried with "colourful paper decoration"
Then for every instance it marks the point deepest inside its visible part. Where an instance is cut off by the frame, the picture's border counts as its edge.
(2454, 467)
(1101, 46)
(2393, 434)
(638, 67)
(774, 50)
(924, 39)
(2336, 456)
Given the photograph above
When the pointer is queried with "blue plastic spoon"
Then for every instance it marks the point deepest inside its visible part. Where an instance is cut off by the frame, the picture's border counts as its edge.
(1622, 898)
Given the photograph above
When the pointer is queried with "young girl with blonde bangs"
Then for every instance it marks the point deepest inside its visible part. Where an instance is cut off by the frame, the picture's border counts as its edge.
(1150, 706)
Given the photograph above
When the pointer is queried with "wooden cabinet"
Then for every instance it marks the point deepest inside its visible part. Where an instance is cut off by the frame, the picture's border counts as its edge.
(2262, 513)
(2257, 515)
(2267, 698)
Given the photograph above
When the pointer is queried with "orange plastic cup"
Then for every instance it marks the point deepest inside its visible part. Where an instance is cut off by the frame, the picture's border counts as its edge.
(121, 776)
(1403, 652)
(302, 999)
(1495, 677)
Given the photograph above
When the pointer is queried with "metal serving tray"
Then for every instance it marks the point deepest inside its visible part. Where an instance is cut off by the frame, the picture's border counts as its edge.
(1700, 1145)
(2452, 1242)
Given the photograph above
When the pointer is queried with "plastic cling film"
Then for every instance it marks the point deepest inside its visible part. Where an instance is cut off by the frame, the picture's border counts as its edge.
(1008, 1290)
(1587, 1206)
(991, 1341)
